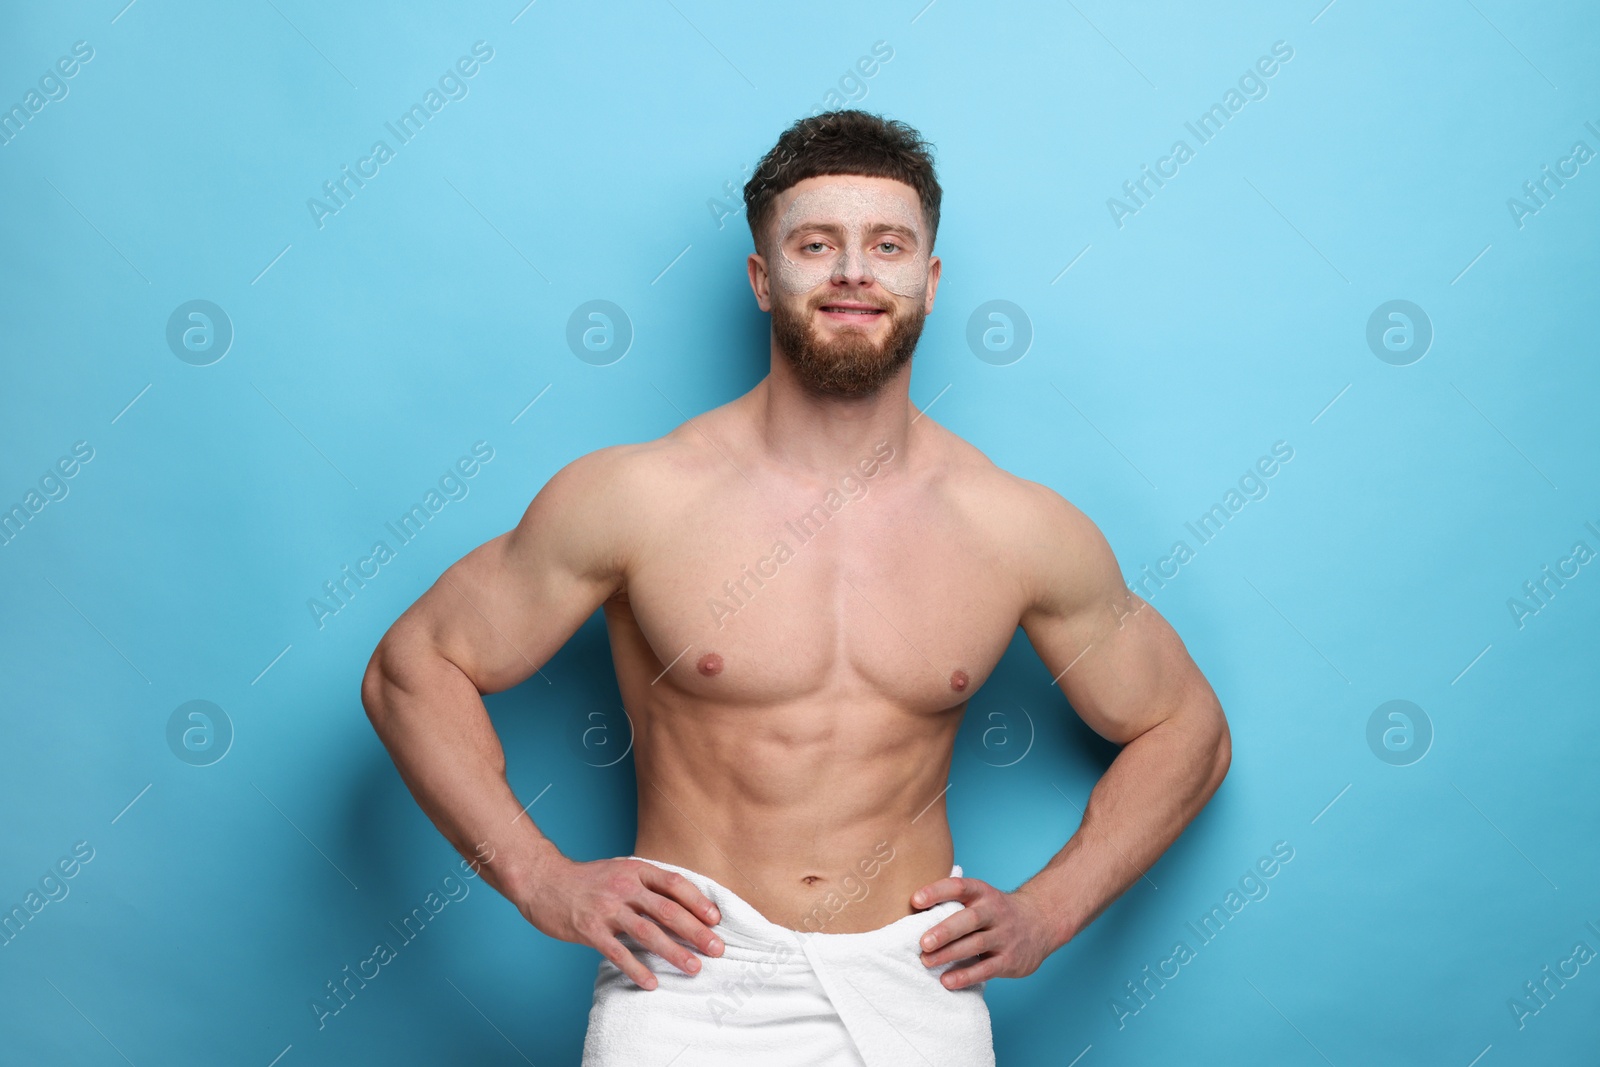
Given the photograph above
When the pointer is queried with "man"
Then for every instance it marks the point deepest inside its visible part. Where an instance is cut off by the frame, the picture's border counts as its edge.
(803, 588)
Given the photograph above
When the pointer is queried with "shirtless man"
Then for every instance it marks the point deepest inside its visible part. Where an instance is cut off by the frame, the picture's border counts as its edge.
(803, 588)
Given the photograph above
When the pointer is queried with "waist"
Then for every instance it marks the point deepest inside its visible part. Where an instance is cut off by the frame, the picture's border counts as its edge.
(832, 890)
(749, 935)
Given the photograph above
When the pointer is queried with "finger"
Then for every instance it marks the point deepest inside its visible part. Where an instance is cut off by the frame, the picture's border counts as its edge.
(962, 977)
(674, 885)
(655, 939)
(948, 890)
(957, 925)
(625, 961)
(675, 917)
(975, 944)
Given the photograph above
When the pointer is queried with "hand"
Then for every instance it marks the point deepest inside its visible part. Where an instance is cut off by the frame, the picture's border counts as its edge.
(592, 903)
(1009, 933)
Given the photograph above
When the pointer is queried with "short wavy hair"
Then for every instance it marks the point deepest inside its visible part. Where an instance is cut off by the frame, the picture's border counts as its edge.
(843, 142)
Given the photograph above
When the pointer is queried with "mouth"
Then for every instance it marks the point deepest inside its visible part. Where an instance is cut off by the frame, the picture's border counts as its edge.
(850, 311)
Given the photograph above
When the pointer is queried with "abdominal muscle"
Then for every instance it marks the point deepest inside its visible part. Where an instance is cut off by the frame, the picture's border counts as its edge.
(824, 815)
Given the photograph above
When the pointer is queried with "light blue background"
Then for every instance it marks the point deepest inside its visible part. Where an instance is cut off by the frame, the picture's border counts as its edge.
(1229, 313)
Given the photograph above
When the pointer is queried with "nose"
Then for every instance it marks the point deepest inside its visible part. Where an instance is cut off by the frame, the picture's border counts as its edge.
(852, 266)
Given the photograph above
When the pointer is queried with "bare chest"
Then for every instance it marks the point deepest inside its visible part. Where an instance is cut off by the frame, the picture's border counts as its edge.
(854, 599)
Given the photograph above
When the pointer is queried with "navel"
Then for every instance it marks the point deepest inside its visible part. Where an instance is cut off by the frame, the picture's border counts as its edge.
(959, 680)
(710, 664)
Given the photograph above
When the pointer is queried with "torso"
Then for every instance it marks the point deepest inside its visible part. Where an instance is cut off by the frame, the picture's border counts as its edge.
(795, 687)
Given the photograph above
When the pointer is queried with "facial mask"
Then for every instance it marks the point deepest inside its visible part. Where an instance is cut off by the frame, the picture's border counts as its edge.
(857, 208)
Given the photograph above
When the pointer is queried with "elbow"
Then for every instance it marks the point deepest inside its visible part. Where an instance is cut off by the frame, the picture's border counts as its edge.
(1221, 750)
(403, 677)
(375, 683)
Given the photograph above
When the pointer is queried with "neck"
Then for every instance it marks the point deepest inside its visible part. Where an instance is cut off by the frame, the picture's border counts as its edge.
(820, 434)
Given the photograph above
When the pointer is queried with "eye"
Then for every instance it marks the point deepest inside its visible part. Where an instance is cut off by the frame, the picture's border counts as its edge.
(888, 244)
(811, 244)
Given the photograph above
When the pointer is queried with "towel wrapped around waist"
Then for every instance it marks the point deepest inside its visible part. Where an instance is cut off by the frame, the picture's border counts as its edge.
(778, 997)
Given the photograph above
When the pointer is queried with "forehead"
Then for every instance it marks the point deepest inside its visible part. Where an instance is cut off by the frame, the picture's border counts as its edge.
(839, 197)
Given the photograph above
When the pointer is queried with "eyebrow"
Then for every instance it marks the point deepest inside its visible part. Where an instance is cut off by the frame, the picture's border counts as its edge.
(834, 228)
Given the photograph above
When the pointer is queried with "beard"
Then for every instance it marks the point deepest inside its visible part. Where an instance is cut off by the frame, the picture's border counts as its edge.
(851, 364)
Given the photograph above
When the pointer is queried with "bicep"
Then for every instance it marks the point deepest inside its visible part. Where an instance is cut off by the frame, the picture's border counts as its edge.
(1121, 666)
(502, 610)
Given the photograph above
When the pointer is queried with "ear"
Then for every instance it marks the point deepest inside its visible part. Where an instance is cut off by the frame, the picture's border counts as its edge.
(760, 282)
(935, 265)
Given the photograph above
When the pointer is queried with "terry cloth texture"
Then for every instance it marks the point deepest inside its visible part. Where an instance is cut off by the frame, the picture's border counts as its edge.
(779, 997)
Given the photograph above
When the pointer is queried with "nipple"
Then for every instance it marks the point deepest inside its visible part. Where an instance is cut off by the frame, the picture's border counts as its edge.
(711, 664)
(958, 680)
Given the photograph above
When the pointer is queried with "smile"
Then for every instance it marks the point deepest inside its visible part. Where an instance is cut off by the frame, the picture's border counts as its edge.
(850, 311)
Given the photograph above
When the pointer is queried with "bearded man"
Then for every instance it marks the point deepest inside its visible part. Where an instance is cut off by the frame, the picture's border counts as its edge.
(803, 588)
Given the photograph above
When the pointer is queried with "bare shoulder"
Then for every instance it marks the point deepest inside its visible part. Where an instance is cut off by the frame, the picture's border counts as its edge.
(602, 505)
(610, 478)
(1060, 557)
(1120, 665)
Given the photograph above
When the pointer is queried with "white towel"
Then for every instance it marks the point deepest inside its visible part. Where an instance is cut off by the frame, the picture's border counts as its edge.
(779, 997)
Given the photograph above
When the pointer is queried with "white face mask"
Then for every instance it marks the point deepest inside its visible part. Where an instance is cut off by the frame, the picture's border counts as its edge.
(861, 210)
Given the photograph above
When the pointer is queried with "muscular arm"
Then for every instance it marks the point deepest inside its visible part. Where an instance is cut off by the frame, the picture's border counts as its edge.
(492, 619)
(1126, 672)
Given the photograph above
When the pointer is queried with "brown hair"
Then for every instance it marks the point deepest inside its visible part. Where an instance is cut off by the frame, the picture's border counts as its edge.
(843, 142)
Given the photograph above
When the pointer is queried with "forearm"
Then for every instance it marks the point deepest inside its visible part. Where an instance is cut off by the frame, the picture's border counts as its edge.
(433, 722)
(1155, 786)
